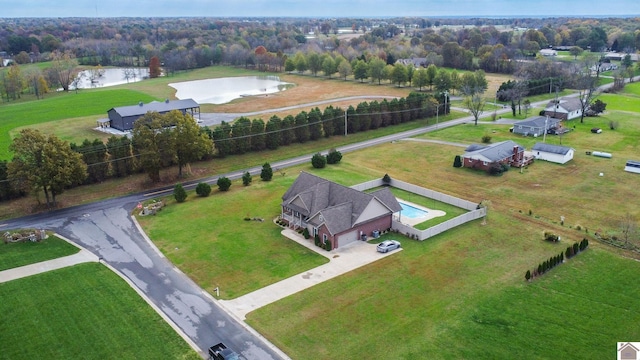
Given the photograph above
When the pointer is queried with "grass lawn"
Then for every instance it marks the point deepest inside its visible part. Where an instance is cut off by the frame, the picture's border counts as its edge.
(209, 239)
(24, 253)
(86, 312)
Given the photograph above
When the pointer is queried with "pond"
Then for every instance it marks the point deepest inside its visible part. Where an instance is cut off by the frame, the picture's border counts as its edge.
(93, 78)
(224, 90)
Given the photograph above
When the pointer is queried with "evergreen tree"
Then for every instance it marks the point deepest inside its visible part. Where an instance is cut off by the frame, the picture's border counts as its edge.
(527, 276)
(246, 178)
(222, 139)
(457, 162)
(267, 173)
(258, 138)
(302, 127)
(364, 119)
(327, 121)
(353, 121)
(240, 139)
(315, 124)
(273, 134)
(179, 193)
(223, 183)
(318, 161)
(334, 156)
(288, 134)
(203, 189)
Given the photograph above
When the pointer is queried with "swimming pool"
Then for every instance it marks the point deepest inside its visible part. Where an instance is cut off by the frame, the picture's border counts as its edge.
(412, 212)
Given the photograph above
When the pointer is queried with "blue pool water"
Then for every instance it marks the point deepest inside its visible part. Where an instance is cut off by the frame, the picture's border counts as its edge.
(412, 212)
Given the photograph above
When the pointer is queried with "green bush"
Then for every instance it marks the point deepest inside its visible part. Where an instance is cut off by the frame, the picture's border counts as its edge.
(457, 162)
(334, 156)
(179, 193)
(386, 179)
(223, 183)
(305, 233)
(527, 276)
(486, 139)
(203, 189)
(246, 179)
(316, 240)
(327, 245)
(318, 161)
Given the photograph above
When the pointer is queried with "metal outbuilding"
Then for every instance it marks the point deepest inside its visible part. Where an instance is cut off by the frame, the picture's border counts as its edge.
(123, 117)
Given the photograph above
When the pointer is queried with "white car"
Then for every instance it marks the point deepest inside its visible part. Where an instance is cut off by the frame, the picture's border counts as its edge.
(388, 245)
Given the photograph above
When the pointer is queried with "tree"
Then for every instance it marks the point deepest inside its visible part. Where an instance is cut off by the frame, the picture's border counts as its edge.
(399, 74)
(223, 183)
(273, 133)
(258, 137)
(587, 91)
(318, 161)
(575, 51)
(314, 62)
(328, 66)
(44, 162)
(334, 156)
(597, 107)
(473, 83)
(189, 142)
(246, 178)
(442, 81)
(344, 69)
(628, 228)
(154, 67)
(302, 127)
(222, 139)
(527, 276)
(315, 124)
(376, 67)
(360, 70)
(267, 172)
(289, 65)
(179, 193)
(421, 79)
(151, 141)
(240, 136)
(475, 104)
(64, 68)
(301, 62)
(432, 71)
(13, 82)
(203, 189)
(94, 155)
(120, 156)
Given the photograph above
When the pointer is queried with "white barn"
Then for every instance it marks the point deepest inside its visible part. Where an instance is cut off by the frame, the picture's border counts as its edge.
(554, 153)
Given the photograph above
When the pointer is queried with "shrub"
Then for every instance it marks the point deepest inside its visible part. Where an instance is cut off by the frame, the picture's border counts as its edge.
(223, 183)
(576, 248)
(316, 240)
(318, 161)
(486, 139)
(386, 179)
(495, 169)
(305, 233)
(327, 245)
(179, 193)
(527, 276)
(246, 179)
(334, 156)
(548, 236)
(203, 189)
(267, 172)
(457, 162)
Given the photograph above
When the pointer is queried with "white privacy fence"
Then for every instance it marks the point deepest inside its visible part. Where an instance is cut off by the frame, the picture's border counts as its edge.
(475, 212)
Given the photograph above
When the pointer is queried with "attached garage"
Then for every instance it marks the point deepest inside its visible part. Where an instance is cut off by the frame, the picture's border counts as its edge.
(346, 238)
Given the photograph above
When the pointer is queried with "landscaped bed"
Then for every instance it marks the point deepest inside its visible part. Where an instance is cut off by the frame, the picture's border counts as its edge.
(27, 252)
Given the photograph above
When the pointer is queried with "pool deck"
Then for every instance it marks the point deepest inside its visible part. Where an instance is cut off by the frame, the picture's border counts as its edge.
(431, 213)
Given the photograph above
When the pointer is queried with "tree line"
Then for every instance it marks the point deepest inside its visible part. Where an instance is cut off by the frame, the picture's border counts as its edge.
(44, 164)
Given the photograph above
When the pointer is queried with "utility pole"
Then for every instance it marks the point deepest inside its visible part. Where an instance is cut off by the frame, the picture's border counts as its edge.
(345, 123)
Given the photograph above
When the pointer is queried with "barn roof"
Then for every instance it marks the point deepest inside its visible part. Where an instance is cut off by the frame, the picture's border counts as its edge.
(157, 106)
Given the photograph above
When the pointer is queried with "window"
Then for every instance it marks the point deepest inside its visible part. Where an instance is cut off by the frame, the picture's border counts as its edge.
(315, 231)
(324, 238)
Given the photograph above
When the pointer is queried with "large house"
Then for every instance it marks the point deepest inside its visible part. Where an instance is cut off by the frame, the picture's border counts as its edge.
(122, 118)
(535, 126)
(335, 213)
(554, 153)
(564, 109)
(485, 156)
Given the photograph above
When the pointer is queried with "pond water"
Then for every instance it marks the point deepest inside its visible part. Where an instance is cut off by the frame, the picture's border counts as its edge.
(224, 90)
(94, 78)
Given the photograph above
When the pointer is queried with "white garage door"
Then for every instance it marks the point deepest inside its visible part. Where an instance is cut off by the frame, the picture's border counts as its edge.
(347, 238)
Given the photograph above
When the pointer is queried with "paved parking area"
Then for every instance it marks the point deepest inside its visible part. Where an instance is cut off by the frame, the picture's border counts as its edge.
(341, 260)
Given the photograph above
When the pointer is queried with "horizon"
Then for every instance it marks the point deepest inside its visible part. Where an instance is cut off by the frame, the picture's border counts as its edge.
(318, 9)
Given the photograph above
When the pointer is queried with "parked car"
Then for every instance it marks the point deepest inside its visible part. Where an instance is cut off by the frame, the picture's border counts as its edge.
(222, 352)
(596, 130)
(388, 245)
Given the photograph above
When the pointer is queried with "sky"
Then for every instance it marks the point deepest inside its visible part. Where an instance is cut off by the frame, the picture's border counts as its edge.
(317, 8)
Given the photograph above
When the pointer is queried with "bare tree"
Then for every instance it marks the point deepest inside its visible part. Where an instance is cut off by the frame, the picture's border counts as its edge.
(475, 103)
(64, 68)
(628, 228)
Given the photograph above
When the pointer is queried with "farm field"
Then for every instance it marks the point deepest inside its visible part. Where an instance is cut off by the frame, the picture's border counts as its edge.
(84, 311)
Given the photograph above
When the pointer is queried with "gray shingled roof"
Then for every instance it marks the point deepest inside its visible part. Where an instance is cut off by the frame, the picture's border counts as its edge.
(538, 122)
(339, 205)
(161, 107)
(554, 149)
(568, 104)
(494, 152)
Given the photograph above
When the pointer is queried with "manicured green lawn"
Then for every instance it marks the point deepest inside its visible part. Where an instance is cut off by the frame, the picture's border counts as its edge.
(82, 312)
(24, 253)
(209, 238)
(62, 106)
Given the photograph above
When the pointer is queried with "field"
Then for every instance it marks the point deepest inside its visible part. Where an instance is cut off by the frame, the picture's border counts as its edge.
(86, 312)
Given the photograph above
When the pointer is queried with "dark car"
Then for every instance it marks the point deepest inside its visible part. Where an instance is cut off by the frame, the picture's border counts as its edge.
(388, 245)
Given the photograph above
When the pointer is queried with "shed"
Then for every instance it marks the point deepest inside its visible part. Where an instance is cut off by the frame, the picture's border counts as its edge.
(554, 153)
(122, 118)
